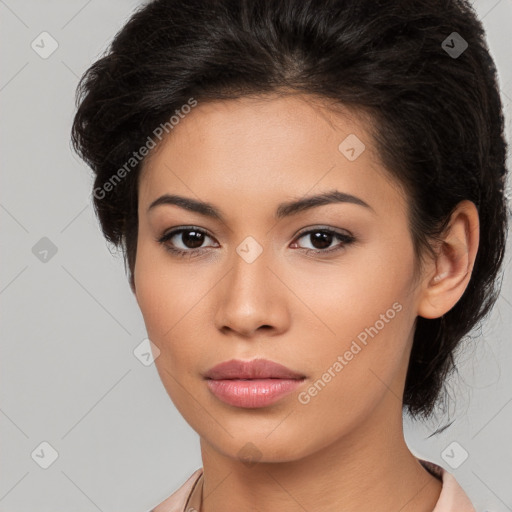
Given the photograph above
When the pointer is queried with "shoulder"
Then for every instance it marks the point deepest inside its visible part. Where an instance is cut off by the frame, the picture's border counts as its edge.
(453, 497)
(177, 500)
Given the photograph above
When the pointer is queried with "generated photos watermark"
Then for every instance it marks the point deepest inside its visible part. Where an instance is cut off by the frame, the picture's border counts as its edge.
(143, 151)
(304, 397)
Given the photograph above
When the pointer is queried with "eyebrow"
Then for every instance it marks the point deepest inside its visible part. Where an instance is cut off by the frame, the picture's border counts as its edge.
(283, 210)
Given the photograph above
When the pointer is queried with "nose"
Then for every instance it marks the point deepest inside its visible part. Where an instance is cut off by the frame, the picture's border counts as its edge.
(252, 299)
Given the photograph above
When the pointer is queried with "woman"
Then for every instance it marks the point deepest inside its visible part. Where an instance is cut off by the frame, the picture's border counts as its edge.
(309, 197)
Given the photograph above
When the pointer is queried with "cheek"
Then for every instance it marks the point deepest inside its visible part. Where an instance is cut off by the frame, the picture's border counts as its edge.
(354, 373)
(165, 291)
(354, 293)
(369, 348)
(172, 299)
(166, 304)
(362, 326)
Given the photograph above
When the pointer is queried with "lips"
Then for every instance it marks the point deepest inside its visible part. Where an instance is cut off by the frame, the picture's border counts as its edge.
(252, 384)
(255, 369)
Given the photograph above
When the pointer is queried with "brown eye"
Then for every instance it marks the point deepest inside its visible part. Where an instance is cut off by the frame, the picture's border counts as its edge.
(191, 239)
(322, 239)
(183, 241)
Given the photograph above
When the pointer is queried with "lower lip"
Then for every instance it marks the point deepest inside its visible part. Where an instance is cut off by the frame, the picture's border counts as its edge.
(252, 393)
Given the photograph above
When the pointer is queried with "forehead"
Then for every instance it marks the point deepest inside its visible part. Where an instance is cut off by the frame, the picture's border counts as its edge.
(263, 148)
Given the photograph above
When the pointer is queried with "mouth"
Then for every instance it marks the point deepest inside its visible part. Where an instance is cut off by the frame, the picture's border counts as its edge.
(252, 393)
(252, 384)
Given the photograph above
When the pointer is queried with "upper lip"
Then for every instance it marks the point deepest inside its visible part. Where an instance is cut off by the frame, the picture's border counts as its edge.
(254, 369)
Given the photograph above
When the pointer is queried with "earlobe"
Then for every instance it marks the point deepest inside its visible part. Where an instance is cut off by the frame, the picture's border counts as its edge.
(453, 263)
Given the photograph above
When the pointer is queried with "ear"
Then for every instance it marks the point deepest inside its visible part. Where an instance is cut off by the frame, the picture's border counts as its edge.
(448, 277)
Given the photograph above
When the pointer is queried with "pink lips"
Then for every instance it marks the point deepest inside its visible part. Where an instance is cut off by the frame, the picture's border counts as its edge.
(252, 384)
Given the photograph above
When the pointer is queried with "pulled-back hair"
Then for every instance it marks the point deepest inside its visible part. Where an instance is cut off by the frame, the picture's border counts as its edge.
(437, 117)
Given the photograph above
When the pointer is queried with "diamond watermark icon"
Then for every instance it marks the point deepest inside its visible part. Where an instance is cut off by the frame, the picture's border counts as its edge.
(45, 455)
(454, 454)
(249, 454)
(44, 250)
(454, 45)
(44, 45)
(351, 147)
(249, 249)
(146, 352)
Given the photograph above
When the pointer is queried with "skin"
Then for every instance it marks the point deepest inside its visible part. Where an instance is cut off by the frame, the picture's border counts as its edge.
(301, 310)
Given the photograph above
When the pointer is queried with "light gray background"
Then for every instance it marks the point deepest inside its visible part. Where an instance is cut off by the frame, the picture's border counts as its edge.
(70, 325)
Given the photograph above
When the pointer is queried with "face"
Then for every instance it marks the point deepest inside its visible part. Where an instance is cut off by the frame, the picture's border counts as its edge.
(326, 290)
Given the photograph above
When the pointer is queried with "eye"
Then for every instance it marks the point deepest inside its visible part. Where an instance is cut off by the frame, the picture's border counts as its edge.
(322, 238)
(191, 239)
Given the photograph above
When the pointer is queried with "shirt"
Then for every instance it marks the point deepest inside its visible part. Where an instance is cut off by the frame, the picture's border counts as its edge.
(452, 498)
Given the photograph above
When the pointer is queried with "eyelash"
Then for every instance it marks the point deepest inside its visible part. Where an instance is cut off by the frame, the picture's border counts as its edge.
(344, 238)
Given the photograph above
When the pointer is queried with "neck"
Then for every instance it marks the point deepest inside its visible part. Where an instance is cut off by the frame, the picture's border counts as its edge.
(370, 469)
